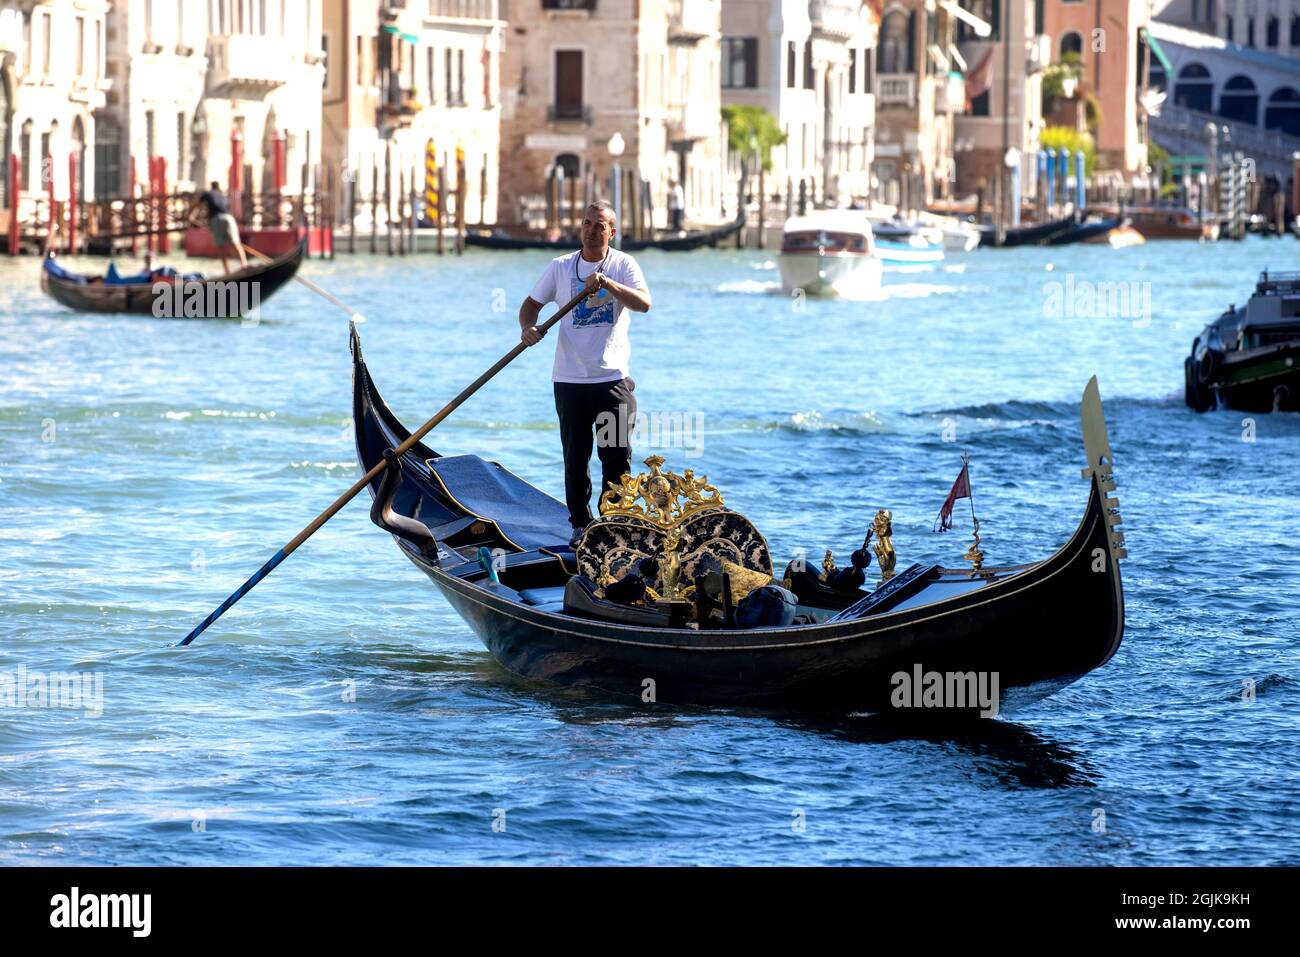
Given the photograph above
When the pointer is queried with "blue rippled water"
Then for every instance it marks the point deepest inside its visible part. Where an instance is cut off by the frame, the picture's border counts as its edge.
(148, 466)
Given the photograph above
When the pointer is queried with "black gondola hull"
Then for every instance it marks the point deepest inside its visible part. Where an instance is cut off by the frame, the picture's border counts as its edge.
(254, 284)
(1003, 629)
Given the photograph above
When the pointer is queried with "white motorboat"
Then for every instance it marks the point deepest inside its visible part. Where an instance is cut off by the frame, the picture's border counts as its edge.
(829, 253)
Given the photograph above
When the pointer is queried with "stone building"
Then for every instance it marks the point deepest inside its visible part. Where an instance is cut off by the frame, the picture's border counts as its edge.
(52, 83)
(917, 99)
(576, 72)
(810, 65)
(405, 73)
(1001, 49)
(187, 74)
(1112, 46)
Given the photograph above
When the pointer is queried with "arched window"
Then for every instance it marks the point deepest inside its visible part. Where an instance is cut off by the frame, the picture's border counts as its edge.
(895, 43)
(1282, 113)
(1071, 43)
(570, 163)
(1295, 30)
(1271, 31)
(1240, 100)
(1195, 89)
(1250, 31)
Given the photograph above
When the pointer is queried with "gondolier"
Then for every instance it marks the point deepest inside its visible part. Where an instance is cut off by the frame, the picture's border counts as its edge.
(222, 225)
(592, 384)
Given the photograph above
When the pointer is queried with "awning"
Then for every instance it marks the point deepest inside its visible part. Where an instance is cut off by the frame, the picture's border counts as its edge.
(1159, 53)
(408, 37)
(981, 28)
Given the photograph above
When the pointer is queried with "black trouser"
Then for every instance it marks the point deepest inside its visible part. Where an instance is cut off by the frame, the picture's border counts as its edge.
(607, 410)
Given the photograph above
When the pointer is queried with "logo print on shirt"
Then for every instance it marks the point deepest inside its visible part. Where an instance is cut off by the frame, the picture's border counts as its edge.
(586, 314)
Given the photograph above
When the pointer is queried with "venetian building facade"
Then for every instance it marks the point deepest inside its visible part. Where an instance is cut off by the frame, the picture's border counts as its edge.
(52, 83)
(577, 72)
(694, 103)
(406, 73)
(1114, 50)
(917, 99)
(188, 74)
(810, 64)
(1006, 111)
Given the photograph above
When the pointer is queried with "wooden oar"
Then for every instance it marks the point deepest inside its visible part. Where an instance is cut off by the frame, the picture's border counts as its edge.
(370, 476)
(310, 285)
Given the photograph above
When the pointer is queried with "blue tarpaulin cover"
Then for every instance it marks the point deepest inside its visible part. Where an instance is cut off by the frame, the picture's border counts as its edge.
(526, 515)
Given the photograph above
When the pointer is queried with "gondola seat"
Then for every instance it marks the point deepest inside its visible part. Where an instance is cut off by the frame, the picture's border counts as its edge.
(580, 599)
(553, 595)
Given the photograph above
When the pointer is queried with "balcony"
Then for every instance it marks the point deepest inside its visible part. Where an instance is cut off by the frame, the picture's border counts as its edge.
(690, 21)
(568, 114)
(476, 10)
(835, 19)
(896, 89)
(247, 65)
(691, 121)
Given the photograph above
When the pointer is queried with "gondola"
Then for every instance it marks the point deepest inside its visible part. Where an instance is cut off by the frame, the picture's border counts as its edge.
(498, 239)
(1084, 232)
(1249, 359)
(1035, 235)
(168, 294)
(495, 546)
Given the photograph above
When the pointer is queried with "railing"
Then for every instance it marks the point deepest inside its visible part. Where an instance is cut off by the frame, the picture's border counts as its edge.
(568, 114)
(837, 19)
(464, 9)
(896, 89)
(1241, 136)
(243, 60)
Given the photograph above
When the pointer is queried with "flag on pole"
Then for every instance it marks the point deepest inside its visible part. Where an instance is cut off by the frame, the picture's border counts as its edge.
(980, 79)
(960, 489)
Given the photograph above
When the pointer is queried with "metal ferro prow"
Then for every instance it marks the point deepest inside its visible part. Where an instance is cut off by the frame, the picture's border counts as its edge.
(1096, 444)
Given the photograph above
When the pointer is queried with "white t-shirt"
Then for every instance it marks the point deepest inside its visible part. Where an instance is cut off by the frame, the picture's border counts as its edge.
(592, 344)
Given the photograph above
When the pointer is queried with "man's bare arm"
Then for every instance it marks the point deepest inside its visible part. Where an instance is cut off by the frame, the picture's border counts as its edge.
(529, 310)
(638, 300)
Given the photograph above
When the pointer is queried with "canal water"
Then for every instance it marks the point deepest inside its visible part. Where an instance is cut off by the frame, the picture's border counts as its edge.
(343, 714)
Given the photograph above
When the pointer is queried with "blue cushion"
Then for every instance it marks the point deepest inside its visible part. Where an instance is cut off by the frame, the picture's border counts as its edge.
(542, 596)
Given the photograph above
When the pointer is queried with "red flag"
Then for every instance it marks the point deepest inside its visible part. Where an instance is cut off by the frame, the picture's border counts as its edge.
(979, 79)
(960, 489)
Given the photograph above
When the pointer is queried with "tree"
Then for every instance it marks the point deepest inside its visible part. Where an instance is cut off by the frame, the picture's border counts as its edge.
(1065, 138)
(751, 129)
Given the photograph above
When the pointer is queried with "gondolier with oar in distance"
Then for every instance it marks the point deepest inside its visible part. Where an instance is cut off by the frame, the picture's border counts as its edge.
(222, 225)
(592, 384)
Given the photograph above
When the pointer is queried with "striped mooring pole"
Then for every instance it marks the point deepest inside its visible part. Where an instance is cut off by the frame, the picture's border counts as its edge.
(431, 185)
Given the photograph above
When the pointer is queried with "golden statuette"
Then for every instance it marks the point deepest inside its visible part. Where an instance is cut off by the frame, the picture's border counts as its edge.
(665, 497)
(828, 563)
(973, 554)
(671, 571)
(883, 527)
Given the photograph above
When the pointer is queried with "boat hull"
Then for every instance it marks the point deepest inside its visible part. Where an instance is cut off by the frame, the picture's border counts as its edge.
(844, 667)
(829, 274)
(233, 292)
